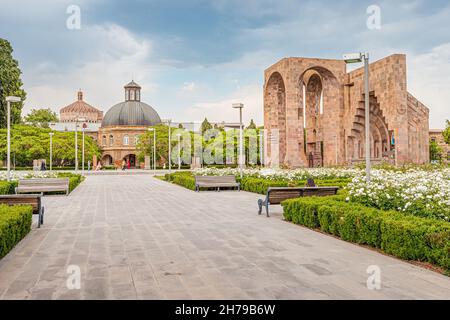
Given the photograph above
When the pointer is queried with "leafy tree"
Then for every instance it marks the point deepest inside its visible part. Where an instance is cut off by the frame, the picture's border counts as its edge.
(41, 117)
(10, 83)
(205, 126)
(252, 125)
(180, 126)
(446, 133)
(29, 143)
(435, 151)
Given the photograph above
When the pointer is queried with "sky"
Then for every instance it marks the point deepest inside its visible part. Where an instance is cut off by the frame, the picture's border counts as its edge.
(194, 58)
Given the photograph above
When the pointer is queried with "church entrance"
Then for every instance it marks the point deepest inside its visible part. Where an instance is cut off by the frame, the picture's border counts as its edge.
(132, 159)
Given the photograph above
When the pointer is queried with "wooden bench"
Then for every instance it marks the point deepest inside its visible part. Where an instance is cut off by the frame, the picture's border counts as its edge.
(276, 195)
(216, 182)
(35, 200)
(43, 185)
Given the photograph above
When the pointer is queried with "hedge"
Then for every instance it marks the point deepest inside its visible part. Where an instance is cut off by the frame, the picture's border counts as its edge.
(404, 236)
(15, 223)
(8, 187)
(74, 180)
(183, 178)
(251, 184)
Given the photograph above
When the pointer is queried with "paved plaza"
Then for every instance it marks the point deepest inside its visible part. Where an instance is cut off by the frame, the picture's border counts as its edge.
(136, 237)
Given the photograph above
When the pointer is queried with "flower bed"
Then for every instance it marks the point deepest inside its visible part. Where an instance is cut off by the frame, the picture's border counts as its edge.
(15, 223)
(416, 192)
(9, 187)
(396, 233)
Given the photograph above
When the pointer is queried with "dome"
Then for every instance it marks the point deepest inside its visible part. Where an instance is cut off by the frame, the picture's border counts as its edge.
(131, 113)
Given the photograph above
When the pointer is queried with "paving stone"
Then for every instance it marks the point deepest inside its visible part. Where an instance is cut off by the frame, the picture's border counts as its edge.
(136, 237)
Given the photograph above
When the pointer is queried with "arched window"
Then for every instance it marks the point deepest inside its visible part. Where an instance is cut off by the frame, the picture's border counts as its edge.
(125, 140)
(111, 140)
(138, 98)
(131, 94)
(104, 140)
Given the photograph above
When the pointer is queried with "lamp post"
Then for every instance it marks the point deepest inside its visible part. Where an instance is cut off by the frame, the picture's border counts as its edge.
(76, 141)
(168, 121)
(82, 152)
(51, 149)
(240, 106)
(179, 151)
(8, 120)
(356, 58)
(154, 149)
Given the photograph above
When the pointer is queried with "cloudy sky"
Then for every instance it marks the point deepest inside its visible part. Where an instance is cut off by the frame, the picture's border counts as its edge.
(194, 58)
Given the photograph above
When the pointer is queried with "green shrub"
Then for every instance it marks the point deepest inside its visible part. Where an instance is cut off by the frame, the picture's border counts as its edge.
(404, 236)
(15, 223)
(183, 178)
(74, 179)
(8, 187)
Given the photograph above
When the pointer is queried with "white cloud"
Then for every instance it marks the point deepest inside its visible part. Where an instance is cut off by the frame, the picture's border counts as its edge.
(115, 55)
(251, 96)
(429, 81)
(188, 87)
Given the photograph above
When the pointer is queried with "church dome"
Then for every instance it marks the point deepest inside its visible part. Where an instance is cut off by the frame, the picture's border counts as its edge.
(131, 112)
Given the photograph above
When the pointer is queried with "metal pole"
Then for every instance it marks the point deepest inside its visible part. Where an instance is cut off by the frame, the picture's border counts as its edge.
(76, 147)
(240, 142)
(170, 151)
(8, 157)
(261, 156)
(51, 151)
(367, 114)
(179, 153)
(82, 159)
(154, 152)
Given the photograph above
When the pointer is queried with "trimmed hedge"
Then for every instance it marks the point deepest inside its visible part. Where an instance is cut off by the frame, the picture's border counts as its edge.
(15, 223)
(74, 179)
(7, 187)
(183, 178)
(404, 236)
(251, 184)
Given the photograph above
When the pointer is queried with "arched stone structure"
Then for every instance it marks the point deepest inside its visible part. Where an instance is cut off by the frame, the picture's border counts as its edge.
(319, 99)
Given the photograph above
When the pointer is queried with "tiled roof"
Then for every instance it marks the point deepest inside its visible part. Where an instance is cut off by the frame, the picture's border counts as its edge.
(80, 106)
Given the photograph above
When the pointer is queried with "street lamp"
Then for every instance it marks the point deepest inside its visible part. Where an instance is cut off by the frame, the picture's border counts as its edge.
(170, 145)
(51, 149)
(8, 116)
(240, 106)
(76, 141)
(154, 149)
(356, 58)
(82, 152)
(179, 151)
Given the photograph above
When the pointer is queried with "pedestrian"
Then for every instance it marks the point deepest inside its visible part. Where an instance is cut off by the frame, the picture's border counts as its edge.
(89, 165)
(43, 168)
(123, 164)
(128, 164)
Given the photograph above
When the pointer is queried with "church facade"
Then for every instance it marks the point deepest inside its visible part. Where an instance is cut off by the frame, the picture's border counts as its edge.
(314, 114)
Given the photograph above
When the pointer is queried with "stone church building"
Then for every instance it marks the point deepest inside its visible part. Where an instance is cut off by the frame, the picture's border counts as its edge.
(314, 114)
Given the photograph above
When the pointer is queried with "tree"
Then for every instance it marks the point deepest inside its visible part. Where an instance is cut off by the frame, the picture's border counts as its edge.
(29, 143)
(180, 126)
(41, 117)
(446, 133)
(205, 126)
(252, 125)
(435, 151)
(11, 84)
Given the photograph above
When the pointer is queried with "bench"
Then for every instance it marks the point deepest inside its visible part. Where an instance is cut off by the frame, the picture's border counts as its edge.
(275, 195)
(35, 200)
(43, 185)
(216, 182)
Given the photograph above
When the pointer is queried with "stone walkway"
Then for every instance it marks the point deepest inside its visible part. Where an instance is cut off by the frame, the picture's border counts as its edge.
(139, 237)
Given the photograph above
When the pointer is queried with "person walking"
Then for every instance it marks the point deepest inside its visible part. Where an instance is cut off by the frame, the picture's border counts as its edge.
(128, 164)
(123, 164)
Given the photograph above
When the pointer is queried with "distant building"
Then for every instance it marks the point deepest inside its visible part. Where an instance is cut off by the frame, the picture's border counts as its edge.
(80, 109)
(122, 125)
(436, 136)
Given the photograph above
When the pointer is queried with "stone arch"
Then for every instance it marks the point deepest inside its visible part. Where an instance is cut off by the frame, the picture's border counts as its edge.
(379, 133)
(275, 111)
(323, 109)
(132, 158)
(107, 160)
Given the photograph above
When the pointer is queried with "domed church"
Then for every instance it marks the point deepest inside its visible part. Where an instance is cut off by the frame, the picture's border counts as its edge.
(121, 126)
